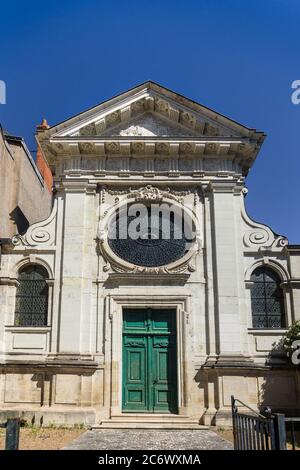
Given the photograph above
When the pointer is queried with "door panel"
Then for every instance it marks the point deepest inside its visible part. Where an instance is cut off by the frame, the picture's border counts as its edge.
(162, 366)
(165, 382)
(149, 360)
(164, 320)
(134, 373)
(135, 320)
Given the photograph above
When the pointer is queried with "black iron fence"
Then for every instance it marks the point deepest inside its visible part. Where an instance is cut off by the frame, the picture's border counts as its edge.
(292, 426)
(12, 434)
(257, 431)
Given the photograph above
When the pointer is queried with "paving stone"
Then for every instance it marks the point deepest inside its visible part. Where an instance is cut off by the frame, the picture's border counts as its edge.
(130, 439)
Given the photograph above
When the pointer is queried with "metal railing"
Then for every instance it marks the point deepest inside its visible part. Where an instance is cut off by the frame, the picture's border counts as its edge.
(12, 434)
(257, 431)
(292, 427)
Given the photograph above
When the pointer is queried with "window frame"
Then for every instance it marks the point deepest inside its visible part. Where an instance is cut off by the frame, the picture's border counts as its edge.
(19, 311)
(282, 301)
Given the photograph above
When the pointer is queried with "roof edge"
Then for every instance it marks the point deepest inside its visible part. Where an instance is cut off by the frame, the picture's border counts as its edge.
(156, 87)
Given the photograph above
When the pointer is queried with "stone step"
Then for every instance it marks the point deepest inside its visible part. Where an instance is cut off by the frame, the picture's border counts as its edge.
(157, 421)
(149, 421)
(151, 416)
(165, 425)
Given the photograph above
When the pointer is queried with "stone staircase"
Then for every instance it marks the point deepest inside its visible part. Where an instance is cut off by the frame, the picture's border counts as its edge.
(149, 421)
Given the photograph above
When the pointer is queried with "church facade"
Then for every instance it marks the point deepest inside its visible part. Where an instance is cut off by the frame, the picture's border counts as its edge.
(103, 328)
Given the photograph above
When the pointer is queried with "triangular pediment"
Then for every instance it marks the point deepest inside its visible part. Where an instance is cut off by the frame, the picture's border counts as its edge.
(150, 119)
(149, 110)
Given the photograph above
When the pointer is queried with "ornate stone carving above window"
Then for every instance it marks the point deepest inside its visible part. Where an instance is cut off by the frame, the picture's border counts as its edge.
(154, 250)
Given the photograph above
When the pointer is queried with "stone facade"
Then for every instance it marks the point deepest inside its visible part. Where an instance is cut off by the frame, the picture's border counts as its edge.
(148, 144)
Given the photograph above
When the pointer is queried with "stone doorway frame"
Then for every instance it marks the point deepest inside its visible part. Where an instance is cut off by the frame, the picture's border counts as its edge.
(116, 303)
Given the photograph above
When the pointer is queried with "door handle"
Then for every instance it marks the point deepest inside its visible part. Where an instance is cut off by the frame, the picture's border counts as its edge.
(155, 382)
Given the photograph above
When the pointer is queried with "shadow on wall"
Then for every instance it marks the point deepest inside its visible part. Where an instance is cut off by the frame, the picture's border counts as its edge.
(206, 380)
(20, 220)
(279, 390)
(275, 385)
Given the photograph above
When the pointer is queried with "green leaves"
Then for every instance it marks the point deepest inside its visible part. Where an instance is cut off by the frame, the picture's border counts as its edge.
(292, 335)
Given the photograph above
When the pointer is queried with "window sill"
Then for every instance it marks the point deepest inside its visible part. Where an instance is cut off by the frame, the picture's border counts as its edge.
(267, 331)
(27, 329)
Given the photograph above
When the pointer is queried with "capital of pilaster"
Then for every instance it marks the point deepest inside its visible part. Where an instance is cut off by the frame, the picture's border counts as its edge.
(79, 185)
(225, 187)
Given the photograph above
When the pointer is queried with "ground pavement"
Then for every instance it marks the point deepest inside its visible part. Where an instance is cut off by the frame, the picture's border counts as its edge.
(142, 439)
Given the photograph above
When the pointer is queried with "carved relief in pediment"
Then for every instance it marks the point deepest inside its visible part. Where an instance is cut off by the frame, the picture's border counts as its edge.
(149, 125)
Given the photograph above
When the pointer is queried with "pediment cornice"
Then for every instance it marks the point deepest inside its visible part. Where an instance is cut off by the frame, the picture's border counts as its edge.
(150, 120)
(151, 97)
(178, 120)
(135, 145)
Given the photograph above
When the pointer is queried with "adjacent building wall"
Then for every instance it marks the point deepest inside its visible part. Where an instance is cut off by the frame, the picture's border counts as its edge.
(25, 198)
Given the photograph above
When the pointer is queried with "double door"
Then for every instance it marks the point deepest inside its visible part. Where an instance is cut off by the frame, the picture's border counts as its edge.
(149, 361)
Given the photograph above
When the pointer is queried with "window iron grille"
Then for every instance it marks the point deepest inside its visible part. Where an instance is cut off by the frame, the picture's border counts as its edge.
(32, 297)
(267, 300)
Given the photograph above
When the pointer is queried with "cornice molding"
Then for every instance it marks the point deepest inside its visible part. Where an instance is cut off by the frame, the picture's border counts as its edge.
(150, 120)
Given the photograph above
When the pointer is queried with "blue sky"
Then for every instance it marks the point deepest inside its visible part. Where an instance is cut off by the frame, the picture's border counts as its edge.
(237, 57)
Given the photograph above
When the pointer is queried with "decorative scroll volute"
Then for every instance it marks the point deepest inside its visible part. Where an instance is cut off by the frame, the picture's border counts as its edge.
(257, 235)
(41, 233)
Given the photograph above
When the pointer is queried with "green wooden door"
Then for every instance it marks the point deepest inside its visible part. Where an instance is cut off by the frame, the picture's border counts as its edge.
(149, 361)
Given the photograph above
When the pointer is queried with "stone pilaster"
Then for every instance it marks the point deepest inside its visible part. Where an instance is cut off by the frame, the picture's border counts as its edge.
(227, 278)
(77, 236)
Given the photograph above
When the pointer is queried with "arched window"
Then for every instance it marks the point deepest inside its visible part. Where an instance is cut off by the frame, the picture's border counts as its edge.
(32, 297)
(266, 299)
